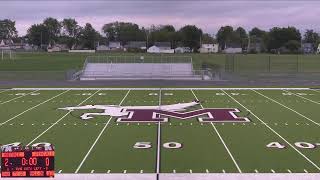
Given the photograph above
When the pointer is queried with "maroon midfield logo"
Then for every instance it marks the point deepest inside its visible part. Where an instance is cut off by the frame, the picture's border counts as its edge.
(203, 115)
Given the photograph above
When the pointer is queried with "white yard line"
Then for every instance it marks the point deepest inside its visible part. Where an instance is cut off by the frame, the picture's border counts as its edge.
(159, 139)
(271, 129)
(226, 147)
(98, 137)
(221, 139)
(302, 97)
(32, 108)
(18, 97)
(60, 119)
(287, 107)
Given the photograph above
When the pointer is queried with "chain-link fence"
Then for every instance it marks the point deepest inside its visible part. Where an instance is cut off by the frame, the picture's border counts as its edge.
(36, 75)
(273, 63)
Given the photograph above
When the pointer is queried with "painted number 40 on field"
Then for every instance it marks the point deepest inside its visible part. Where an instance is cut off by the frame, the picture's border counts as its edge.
(302, 145)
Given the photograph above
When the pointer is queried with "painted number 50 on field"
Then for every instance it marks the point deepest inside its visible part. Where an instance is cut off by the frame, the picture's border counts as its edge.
(148, 145)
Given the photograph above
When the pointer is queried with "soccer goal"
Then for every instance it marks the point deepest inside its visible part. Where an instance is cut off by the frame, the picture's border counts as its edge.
(8, 54)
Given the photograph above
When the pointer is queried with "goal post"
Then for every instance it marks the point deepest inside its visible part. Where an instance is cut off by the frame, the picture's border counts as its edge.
(7, 54)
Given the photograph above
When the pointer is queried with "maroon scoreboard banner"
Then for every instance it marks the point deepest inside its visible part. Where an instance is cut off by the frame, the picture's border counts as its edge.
(27, 161)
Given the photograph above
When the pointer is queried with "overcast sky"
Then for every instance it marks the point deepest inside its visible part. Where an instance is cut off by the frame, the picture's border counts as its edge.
(208, 15)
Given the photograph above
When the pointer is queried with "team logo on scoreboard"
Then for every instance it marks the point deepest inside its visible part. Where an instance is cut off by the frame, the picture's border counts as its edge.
(161, 113)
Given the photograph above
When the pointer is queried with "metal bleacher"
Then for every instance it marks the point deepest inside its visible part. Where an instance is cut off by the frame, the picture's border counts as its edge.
(140, 67)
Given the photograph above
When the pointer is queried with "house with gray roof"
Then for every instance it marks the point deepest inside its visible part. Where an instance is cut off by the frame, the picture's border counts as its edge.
(232, 48)
(136, 45)
(307, 48)
(163, 45)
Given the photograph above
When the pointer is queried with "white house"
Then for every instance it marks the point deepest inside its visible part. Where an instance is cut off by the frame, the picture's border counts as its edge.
(5, 44)
(182, 50)
(233, 48)
(209, 48)
(153, 49)
(114, 45)
(102, 48)
(27, 47)
(58, 48)
(156, 49)
(141, 45)
(318, 50)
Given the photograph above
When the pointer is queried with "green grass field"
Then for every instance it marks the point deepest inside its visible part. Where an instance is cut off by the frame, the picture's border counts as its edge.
(57, 66)
(250, 62)
(102, 145)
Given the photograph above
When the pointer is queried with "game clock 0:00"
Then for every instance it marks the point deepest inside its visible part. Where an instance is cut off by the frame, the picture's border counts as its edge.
(27, 161)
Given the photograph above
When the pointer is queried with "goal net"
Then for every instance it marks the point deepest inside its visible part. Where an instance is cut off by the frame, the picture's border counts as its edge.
(7, 54)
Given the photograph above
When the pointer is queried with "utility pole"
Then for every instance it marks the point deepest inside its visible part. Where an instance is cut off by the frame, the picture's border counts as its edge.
(249, 43)
(147, 33)
(41, 39)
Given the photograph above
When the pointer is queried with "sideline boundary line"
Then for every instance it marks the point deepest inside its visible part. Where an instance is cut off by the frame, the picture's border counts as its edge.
(18, 97)
(305, 157)
(2, 90)
(156, 89)
(302, 97)
(318, 124)
(32, 108)
(98, 137)
(60, 119)
(221, 139)
(315, 90)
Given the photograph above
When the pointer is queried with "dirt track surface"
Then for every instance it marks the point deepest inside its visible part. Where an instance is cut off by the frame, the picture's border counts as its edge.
(155, 83)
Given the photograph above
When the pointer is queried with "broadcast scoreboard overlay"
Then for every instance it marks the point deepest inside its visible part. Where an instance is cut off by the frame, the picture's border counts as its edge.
(159, 130)
(27, 161)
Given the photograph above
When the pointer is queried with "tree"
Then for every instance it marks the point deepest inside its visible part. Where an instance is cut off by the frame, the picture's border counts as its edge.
(257, 32)
(293, 46)
(38, 34)
(54, 29)
(123, 32)
(89, 36)
(70, 27)
(257, 35)
(70, 32)
(8, 29)
(242, 37)
(311, 37)
(279, 37)
(190, 36)
(162, 33)
(224, 36)
(207, 39)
